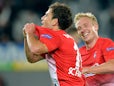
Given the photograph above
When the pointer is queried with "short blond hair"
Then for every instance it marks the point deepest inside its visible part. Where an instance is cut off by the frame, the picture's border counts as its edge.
(88, 14)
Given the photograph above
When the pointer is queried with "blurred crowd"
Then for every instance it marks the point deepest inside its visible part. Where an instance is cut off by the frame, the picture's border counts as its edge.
(15, 13)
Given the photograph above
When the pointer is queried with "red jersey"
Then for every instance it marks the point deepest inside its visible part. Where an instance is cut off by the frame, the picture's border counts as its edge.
(100, 53)
(63, 59)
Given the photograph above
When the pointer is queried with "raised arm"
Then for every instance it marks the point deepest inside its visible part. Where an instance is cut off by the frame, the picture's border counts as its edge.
(33, 47)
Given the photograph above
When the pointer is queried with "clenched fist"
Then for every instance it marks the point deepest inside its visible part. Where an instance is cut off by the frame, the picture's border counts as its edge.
(29, 28)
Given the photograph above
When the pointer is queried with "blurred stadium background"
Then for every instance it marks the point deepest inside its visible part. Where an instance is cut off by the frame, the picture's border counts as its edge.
(14, 68)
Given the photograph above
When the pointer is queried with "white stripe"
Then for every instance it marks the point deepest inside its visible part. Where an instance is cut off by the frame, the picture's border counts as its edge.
(52, 70)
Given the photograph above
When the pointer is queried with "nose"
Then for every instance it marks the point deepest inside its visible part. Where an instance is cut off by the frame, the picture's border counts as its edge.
(81, 31)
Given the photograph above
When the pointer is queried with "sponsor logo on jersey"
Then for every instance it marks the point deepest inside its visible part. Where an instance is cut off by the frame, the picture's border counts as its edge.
(46, 36)
(74, 71)
(110, 48)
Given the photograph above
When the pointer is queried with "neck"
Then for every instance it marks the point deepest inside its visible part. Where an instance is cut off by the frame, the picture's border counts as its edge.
(55, 28)
(91, 43)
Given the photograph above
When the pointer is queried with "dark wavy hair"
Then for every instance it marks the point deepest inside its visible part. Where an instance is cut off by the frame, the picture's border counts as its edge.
(63, 13)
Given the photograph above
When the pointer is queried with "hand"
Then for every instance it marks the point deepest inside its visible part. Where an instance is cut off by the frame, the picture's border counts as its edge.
(29, 28)
(85, 70)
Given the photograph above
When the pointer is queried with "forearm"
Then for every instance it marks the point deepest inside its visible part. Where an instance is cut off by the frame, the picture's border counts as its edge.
(34, 48)
(26, 48)
(29, 55)
(101, 69)
(35, 45)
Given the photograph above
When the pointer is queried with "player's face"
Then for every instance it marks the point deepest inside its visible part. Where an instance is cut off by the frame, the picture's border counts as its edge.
(47, 19)
(86, 29)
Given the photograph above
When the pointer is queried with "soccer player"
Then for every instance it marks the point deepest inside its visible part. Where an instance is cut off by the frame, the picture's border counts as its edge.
(52, 43)
(97, 53)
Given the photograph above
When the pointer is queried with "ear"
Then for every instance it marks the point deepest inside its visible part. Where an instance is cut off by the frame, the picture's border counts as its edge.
(55, 21)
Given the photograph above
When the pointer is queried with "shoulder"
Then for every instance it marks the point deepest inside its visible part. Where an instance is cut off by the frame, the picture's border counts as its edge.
(105, 41)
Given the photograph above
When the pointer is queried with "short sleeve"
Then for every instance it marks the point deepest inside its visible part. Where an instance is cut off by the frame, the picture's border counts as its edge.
(51, 43)
(49, 37)
(108, 49)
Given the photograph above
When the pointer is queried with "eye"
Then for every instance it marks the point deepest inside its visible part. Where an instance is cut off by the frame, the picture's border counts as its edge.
(78, 28)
